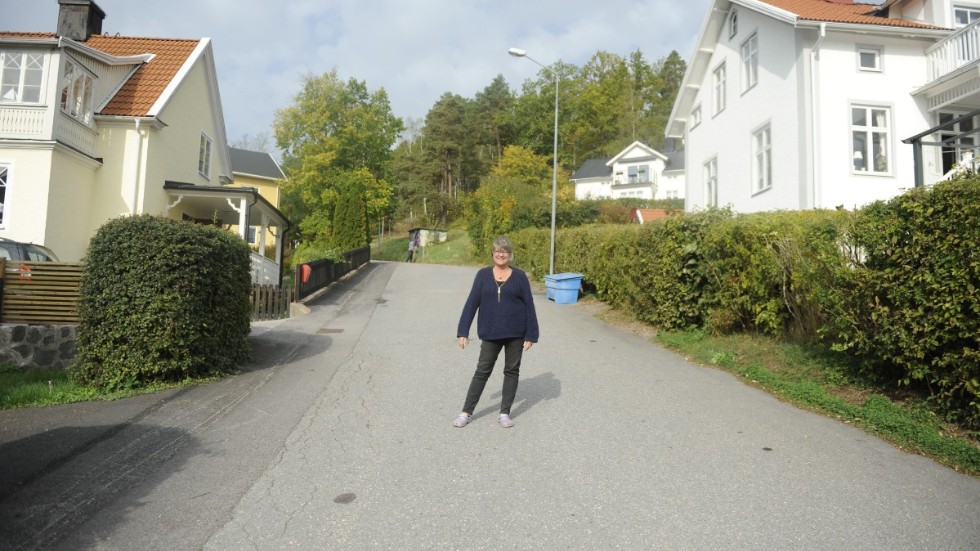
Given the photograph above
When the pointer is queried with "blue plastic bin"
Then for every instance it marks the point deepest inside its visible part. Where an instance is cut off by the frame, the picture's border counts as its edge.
(563, 288)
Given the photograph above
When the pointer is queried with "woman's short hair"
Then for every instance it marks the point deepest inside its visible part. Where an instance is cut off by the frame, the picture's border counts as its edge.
(502, 244)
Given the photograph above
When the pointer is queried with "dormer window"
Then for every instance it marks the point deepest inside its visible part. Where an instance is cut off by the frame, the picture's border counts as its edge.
(76, 92)
(20, 80)
(733, 23)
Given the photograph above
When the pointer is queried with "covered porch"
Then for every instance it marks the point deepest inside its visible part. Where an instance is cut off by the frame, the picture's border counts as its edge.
(239, 209)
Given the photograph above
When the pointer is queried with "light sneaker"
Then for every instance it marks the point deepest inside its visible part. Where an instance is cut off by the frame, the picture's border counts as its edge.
(462, 420)
(505, 421)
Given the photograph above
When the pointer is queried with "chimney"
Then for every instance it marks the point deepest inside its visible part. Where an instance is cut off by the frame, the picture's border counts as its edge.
(79, 19)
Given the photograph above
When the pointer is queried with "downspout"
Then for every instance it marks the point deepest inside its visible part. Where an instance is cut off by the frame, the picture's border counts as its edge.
(814, 119)
(139, 161)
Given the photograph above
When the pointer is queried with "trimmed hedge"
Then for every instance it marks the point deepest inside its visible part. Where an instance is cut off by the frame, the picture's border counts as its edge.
(895, 286)
(162, 300)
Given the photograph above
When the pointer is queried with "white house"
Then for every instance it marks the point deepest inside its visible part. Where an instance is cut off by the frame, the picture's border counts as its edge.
(94, 126)
(802, 104)
(637, 171)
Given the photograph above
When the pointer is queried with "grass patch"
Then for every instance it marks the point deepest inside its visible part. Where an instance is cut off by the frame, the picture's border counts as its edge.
(44, 388)
(818, 382)
(454, 251)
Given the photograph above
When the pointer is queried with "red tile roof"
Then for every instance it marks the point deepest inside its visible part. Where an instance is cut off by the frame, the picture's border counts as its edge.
(138, 95)
(145, 87)
(836, 12)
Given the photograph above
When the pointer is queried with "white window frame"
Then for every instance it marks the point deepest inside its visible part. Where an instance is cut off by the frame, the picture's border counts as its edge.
(6, 176)
(750, 62)
(762, 159)
(972, 14)
(22, 74)
(719, 87)
(961, 151)
(875, 51)
(695, 116)
(875, 140)
(77, 91)
(711, 182)
(204, 156)
(733, 23)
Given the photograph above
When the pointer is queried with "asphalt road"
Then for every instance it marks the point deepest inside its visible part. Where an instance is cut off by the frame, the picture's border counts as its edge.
(339, 436)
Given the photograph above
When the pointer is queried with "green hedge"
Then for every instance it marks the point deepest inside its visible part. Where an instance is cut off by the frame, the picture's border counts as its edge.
(896, 285)
(162, 300)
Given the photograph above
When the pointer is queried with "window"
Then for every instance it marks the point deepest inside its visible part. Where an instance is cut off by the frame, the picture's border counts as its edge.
(719, 86)
(761, 160)
(204, 157)
(869, 59)
(4, 179)
(21, 78)
(959, 140)
(750, 62)
(733, 23)
(672, 194)
(695, 116)
(252, 235)
(711, 182)
(963, 16)
(631, 177)
(870, 138)
(76, 92)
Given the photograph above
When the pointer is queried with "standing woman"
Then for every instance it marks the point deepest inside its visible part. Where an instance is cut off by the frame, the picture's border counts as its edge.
(507, 321)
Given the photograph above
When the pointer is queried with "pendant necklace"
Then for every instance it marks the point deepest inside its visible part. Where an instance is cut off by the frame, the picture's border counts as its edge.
(500, 284)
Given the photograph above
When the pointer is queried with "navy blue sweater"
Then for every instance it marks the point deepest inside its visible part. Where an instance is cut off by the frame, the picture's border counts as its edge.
(509, 315)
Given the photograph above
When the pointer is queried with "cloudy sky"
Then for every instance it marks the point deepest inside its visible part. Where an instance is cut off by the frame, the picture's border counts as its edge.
(415, 49)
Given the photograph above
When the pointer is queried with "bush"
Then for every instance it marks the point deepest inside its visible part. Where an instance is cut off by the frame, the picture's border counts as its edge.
(908, 308)
(162, 300)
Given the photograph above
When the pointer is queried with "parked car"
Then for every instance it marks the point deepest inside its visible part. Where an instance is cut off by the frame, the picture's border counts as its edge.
(15, 250)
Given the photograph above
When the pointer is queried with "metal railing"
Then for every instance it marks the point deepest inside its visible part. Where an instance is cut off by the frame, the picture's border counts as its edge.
(313, 276)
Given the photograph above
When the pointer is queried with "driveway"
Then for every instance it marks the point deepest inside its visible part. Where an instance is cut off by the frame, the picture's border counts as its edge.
(339, 436)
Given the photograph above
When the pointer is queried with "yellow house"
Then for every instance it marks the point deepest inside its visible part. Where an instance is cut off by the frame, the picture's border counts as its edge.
(260, 171)
(96, 126)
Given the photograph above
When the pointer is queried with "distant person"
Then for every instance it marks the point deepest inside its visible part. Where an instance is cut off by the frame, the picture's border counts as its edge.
(507, 321)
(413, 244)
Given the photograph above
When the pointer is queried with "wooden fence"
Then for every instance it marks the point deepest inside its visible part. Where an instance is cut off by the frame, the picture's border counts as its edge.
(48, 293)
(39, 293)
(270, 302)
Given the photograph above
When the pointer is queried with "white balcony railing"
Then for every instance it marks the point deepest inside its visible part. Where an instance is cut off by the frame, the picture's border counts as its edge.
(956, 50)
(75, 133)
(23, 122)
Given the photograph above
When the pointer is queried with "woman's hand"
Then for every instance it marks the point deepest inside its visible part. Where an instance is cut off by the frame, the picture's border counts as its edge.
(527, 345)
(463, 341)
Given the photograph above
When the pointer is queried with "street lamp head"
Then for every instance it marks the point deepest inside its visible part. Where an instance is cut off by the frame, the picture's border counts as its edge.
(517, 52)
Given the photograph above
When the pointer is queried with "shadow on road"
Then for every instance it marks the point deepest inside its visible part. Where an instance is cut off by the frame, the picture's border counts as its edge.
(530, 392)
(54, 481)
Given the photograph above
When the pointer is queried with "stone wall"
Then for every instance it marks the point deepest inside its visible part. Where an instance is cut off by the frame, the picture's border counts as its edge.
(40, 347)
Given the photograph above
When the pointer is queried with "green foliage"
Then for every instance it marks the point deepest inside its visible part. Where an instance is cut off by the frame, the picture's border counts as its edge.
(907, 307)
(335, 132)
(162, 301)
(350, 227)
(894, 286)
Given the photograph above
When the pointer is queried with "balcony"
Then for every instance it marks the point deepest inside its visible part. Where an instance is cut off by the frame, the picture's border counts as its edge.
(952, 66)
(32, 122)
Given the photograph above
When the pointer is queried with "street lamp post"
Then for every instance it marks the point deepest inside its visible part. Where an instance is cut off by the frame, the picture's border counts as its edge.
(517, 52)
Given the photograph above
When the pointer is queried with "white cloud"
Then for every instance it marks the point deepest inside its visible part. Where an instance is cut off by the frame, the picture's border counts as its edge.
(415, 49)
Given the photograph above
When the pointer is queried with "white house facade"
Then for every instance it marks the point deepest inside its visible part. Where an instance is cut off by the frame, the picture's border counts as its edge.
(803, 104)
(638, 171)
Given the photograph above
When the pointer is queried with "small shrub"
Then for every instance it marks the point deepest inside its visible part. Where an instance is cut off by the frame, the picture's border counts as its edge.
(162, 301)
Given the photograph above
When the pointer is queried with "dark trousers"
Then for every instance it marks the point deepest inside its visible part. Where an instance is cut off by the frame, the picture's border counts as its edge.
(489, 351)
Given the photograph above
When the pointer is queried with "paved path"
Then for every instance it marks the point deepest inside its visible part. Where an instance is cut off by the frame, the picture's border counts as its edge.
(338, 437)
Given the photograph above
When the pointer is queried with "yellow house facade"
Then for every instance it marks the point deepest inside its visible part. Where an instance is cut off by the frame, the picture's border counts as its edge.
(94, 126)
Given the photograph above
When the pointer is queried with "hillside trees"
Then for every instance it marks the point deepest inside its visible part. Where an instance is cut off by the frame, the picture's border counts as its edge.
(336, 136)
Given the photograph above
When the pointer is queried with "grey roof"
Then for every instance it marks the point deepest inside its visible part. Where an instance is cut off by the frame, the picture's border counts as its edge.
(256, 163)
(593, 168)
